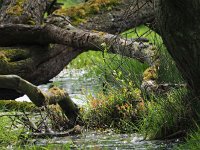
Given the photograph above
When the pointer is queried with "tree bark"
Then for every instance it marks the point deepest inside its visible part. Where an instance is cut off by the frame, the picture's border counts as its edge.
(117, 18)
(124, 16)
(179, 22)
(76, 38)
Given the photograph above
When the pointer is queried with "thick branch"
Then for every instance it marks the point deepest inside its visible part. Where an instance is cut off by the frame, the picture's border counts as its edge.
(127, 15)
(47, 61)
(112, 17)
(39, 98)
(77, 38)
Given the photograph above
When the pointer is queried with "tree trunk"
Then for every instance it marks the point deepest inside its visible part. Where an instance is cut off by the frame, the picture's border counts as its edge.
(178, 21)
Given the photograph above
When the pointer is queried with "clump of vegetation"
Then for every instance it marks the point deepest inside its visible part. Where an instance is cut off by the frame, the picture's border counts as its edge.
(118, 75)
(10, 105)
(192, 141)
(7, 136)
(167, 116)
(118, 107)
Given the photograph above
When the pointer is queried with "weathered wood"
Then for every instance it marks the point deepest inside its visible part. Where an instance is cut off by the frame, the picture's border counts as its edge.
(113, 16)
(25, 11)
(44, 62)
(76, 38)
(39, 98)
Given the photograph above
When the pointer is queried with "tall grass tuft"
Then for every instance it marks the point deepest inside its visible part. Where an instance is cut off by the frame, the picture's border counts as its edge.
(167, 117)
(192, 141)
(117, 108)
(7, 137)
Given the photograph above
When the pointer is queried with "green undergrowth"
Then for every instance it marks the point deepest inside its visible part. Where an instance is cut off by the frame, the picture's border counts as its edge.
(121, 78)
(7, 136)
(192, 141)
(117, 108)
(167, 116)
(10, 105)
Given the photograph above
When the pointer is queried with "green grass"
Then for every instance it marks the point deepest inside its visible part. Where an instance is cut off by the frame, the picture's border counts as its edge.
(166, 115)
(10, 105)
(7, 136)
(192, 142)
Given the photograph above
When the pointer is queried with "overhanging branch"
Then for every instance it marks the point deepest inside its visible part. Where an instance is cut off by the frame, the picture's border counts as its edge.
(13, 34)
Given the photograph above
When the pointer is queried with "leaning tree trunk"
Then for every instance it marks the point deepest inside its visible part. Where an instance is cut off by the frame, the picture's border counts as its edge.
(44, 48)
(179, 22)
(27, 60)
(23, 59)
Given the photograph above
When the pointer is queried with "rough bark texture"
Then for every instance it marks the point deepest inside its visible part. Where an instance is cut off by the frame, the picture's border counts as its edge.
(44, 61)
(179, 26)
(76, 38)
(36, 62)
(23, 11)
(115, 17)
(126, 15)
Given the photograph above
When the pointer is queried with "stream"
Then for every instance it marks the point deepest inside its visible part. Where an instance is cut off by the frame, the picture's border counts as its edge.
(74, 82)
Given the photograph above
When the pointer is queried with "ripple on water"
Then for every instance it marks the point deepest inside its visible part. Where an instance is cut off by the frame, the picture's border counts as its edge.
(95, 140)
